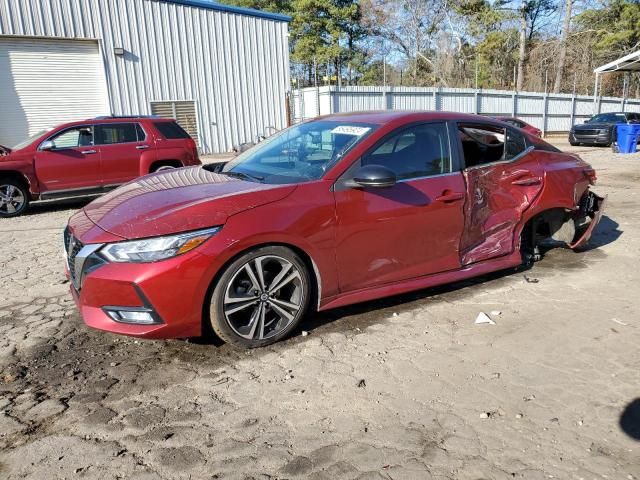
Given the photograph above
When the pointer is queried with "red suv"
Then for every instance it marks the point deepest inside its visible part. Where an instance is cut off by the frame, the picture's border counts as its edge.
(327, 213)
(89, 158)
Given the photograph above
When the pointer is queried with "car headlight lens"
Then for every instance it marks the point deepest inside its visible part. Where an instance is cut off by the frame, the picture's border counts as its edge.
(157, 248)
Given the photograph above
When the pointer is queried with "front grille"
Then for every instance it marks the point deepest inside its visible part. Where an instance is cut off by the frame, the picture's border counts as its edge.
(72, 247)
(587, 132)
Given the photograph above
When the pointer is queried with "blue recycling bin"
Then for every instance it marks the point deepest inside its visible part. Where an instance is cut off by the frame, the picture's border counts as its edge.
(627, 137)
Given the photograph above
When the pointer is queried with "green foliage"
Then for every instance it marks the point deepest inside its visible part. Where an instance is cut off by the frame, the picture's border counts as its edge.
(321, 30)
(616, 27)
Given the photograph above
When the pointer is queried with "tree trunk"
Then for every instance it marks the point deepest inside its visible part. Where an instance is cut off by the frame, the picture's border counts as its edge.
(522, 50)
(562, 56)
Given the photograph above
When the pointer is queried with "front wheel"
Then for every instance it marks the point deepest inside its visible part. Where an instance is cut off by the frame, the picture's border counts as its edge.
(260, 298)
(14, 198)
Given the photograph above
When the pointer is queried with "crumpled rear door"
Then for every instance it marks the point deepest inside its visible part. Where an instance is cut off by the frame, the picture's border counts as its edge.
(497, 196)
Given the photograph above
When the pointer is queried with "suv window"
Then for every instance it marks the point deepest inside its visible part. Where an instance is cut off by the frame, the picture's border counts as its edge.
(171, 130)
(111, 133)
(418, 151)
(74, 137)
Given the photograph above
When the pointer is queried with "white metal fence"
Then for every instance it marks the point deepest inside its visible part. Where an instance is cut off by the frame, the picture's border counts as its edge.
(550, 112)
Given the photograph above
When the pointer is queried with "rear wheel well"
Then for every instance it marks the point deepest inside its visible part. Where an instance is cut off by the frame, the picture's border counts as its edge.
(314, 275)
(164, 163)
(548, 229)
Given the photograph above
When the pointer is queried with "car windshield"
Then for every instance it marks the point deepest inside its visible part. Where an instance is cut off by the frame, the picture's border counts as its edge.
(298, 154)
(29, 140)
(608, 118)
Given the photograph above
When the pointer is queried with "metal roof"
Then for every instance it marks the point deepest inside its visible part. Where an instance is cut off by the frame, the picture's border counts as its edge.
(231, 9)
(628, 63)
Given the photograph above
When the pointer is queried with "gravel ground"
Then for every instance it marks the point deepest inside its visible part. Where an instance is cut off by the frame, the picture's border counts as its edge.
(397, 389)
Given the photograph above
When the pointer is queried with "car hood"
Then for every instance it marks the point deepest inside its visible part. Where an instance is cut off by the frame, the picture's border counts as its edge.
(177, 201)
(593, 126)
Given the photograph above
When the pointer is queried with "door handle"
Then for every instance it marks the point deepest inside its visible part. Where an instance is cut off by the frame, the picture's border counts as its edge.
(448, 197)
(89, 152)
(528, 181)
(142, 147)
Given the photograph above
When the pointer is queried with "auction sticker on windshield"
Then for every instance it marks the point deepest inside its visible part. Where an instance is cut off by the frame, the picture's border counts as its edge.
(350, 130)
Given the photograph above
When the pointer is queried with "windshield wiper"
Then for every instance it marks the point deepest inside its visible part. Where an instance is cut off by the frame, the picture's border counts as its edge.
(243, 176)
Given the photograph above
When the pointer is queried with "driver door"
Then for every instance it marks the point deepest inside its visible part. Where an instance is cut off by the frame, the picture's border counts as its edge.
(72, 164)
(408, 230)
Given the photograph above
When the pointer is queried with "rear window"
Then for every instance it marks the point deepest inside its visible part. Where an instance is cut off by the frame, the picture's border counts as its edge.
(171, 130)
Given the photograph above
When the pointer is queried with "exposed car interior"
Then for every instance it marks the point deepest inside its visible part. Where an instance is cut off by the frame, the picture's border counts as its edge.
(483, 145)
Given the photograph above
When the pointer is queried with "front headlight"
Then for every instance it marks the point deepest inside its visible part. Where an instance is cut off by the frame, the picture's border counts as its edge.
(157, 248)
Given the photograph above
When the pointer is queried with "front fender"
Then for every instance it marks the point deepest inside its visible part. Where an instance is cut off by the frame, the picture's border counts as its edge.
(25, 170)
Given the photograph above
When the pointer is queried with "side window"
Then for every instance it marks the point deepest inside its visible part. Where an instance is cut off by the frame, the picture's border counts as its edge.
(73, 138)
(515, 144)
(111, 133)
(170, 130)
(418, 151)
(481, 144)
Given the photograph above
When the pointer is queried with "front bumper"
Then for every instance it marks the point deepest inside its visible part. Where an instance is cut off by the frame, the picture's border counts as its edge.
(172, 290)
(591, 210)
(590, 138)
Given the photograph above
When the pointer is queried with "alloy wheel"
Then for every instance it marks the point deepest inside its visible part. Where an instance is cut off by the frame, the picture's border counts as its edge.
(12, 199)
(263, 297)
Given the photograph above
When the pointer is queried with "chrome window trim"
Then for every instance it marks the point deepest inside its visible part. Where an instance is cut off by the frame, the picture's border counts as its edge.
(413, 179)
(93, 133)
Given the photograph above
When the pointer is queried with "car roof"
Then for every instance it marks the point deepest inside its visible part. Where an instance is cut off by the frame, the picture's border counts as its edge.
(103, 120)
(382, 117)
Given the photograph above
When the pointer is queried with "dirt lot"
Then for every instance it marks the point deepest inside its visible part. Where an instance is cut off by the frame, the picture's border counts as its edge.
(396, 389)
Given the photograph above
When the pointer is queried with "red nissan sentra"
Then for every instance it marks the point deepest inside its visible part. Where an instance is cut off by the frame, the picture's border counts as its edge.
(341, 209)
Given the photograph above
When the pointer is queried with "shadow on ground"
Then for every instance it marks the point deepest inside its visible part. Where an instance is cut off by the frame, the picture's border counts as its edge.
(630, 419)
(607, 232)
(51, 206)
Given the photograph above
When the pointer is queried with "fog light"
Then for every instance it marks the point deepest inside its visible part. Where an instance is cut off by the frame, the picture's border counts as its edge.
(142, 316)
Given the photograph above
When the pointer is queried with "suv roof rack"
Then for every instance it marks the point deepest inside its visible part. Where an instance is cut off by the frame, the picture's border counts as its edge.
(109, 117)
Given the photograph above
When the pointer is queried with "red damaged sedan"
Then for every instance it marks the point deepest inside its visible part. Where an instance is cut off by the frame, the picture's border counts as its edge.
(338, 210)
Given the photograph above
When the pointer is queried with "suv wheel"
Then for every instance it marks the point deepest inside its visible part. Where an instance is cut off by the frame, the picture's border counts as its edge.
(14, 198)
(260, 297)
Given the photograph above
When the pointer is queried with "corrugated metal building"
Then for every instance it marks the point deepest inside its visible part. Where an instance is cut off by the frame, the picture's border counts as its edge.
(222, 71)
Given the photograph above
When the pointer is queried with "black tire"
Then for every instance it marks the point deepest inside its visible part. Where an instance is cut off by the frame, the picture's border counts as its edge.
(262, 310)
(14, 197)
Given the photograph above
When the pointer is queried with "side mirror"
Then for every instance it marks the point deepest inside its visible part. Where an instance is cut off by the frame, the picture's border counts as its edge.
(47, 145)
(374, 176)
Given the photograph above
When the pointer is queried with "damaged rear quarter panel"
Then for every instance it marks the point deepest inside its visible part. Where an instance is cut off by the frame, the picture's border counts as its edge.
(564, 185)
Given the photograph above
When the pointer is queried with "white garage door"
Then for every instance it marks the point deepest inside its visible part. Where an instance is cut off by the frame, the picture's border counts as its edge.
(44, 82)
